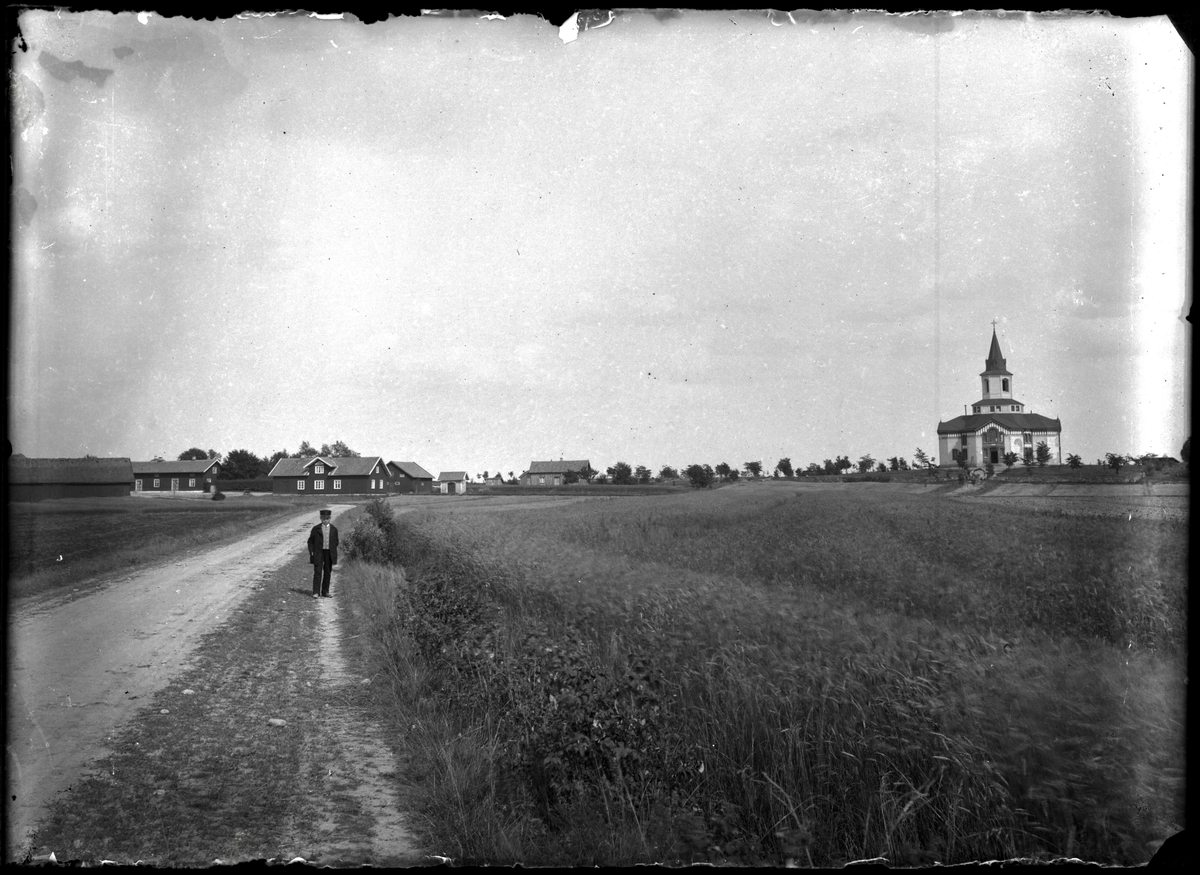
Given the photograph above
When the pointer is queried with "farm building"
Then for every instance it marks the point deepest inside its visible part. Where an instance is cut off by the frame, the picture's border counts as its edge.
(194, 475)
(39, 479)
(997, 423)
(496, 479)
(322, 475)
(409, 478)
(551, 473)
(452, 482)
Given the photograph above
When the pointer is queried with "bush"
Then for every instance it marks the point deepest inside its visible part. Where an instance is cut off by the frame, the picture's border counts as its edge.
(366, 542)
(218, 496)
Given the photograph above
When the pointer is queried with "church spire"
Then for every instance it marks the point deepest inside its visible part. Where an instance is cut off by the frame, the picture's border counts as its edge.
(996, 377)
(995, 361)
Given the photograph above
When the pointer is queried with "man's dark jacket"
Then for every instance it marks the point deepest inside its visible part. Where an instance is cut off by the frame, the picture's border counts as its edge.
(315, 540)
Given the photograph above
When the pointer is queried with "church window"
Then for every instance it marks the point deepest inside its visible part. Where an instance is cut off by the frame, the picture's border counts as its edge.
(1004, 385)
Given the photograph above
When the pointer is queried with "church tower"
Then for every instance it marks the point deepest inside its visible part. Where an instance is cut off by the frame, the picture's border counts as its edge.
(997, 380)
(997, 424)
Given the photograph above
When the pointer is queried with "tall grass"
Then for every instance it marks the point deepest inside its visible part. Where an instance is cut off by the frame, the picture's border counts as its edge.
(769, 679)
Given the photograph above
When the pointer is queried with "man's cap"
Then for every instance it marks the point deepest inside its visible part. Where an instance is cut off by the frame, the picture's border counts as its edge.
(326, 513)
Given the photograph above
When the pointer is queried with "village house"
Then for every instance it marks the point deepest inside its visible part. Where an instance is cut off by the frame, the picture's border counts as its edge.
(452, 482)
(409, 478)
(90, 477)
(551, 473)
(325, 475)
(496, 479)
(997, 423)
(191, 475)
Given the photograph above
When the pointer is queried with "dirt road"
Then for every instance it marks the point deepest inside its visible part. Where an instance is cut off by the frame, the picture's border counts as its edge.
(81, 668)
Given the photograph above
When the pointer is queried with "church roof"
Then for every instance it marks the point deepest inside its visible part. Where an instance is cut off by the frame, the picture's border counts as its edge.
(991, 401)
(995, 363)
(1010, 421)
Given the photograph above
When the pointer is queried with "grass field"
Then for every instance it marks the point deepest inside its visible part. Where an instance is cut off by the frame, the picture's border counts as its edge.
(784, 674)
(56, 545)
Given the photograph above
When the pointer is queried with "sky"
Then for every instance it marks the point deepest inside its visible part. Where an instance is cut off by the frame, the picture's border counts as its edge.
(708, 237)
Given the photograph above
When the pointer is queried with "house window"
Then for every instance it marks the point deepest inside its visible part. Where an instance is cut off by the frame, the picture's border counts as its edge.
(976, 409)
(299, 485)
(541, 481)
(964, 440)
(137, 485)
(337, 484)
(155, 482)
(318, 484)
(191, 481)
(318, 469)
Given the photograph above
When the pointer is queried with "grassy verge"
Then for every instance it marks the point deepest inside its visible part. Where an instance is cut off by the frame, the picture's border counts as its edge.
(746, 677)
(60, 545)
(203, 775)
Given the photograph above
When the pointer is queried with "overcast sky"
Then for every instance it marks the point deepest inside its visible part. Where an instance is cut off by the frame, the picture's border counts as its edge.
(709, 238)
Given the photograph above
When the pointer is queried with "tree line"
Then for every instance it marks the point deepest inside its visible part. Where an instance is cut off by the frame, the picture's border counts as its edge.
(244, 465)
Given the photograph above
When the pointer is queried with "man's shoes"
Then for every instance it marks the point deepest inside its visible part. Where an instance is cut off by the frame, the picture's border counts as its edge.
(326, 595)
(316, 596)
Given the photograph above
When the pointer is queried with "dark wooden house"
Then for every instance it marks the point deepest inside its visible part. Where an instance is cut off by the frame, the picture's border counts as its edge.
(409, 478)
(192, 475)
(39, 479)
(552, 473)
(331, 475)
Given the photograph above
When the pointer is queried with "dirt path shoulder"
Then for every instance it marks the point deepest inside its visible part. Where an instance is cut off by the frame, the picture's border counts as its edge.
(78, 670)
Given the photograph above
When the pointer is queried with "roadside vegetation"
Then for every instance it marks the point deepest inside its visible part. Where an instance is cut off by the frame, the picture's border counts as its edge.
(780, 677)
(54, 545)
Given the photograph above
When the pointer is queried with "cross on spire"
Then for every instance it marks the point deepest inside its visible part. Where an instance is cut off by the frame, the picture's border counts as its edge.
(993, 325)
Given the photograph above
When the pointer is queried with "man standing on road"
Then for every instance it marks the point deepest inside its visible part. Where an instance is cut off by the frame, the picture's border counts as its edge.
(322, 553)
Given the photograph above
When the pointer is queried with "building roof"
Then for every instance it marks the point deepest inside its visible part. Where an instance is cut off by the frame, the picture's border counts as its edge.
(559, 467)
(413, 470)
(187, 466)
(452, 475)
(1011, 421)
(995, 363)
(991, 401)
(339, 466)
(22, 469)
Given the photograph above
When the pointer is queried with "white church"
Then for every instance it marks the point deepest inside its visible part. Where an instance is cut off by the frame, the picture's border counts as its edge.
(997, 423)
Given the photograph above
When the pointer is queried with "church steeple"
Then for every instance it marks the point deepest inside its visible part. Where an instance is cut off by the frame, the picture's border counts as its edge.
(997, 379)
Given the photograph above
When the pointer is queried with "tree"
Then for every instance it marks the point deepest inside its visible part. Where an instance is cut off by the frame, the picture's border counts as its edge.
(270, 461)
(570, 477)
(1010, 458)
(1114, 460)
(306, 451)
(882, 467)
(733, 474)
(865, 463)
(829, 467)
(1043, 454)
(641, 474)
(722, 470)
(602, 479)
(843, 463)
(1073, 461)
(512, 478)
(621, 474)
(814, 468)
(241, 465)
(894, 463)
(754, 469)
(588, 473)
(784, 467)
(698, 475)
(668, 473)
(903, 464)
(193, 454)
(213, 454)
(337, 448)
(920, 459)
